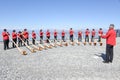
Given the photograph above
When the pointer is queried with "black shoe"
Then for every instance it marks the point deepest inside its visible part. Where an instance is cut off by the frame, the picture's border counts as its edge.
(105, 62)
(110, 61)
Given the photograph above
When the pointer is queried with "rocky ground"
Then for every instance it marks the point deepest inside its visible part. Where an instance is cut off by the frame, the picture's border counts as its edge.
(61, 63)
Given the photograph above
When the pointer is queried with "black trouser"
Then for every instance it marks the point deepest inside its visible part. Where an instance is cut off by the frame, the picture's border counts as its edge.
(71, 38)
(92, 38)
(19, 42)
(63, 38)
(26, 40)
(6, 44)
(99, 39)
(41, 39)
(55, 38)
(33, 41)
(109, 53)
(86, 38)
(79, 38)
(48, 37)
(15, 40)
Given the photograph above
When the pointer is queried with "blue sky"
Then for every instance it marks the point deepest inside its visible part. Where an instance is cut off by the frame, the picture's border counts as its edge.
(59, 14)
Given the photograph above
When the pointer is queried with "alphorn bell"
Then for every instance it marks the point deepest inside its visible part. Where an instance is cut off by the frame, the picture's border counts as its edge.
(101, 43)
(20, 50)
(31, 49)
(84, 43)
(95, 43)
(90, 43)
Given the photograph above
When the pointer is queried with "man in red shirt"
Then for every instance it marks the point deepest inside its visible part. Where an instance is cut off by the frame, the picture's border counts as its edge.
(14, 38)
(79, 36)
(55, 35)
(20, 36)
(33, 37)
(71, 32)
(93, 35)
(26, 36)
(41, 36)
(63, 35)
(87, 32)
(110, 43)
(100, 32)
(5, 36)
(48, 36)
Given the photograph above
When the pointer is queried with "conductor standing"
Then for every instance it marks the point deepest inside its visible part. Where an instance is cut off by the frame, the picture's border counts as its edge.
(110, 43)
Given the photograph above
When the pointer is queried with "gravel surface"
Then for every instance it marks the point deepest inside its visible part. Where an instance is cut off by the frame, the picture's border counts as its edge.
(61, 63)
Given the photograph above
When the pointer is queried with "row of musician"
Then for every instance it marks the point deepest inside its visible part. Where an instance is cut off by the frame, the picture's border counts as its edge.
(24, 35)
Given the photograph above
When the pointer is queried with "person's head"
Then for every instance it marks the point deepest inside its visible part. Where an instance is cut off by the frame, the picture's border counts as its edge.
(55, 30)
(93, 29)
(70, 28)
(87, 29)
(14, 31)
(100, 28)
(19, 32)
(5, 30)
(40, 30)
(47, 30)
(111, 26)
(25, 29)
(33, 31)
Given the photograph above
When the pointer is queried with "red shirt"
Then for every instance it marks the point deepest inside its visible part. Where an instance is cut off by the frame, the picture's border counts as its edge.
(79, 33)
(19, 35)
(63, 33)
(41, 33)
(87, 32)
(55, 33)
(48, 34)
(93, 33)
(33, 35)
(5, 35)
(14, 35)
(100, 32)
(25, 34)
(71, 32)
(110, 37)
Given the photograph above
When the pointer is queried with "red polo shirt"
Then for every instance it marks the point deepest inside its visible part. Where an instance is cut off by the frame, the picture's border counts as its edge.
(14, 35)
(63, 33)
(25, 34)
(48, 34)
(87, 32)
(79, 33)
(5, 35)
(33, 35)
(55, 33)
(110, 37)
(93, 33)
(41, 33)
(71, 32)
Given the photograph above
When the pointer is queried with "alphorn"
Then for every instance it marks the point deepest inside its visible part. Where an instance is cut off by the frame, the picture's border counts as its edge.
(63, 42)
(51, 44)
(41, 46)
(20, 50)
(57, 43)
(35, 47)
(31, 49)
(45, 46)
